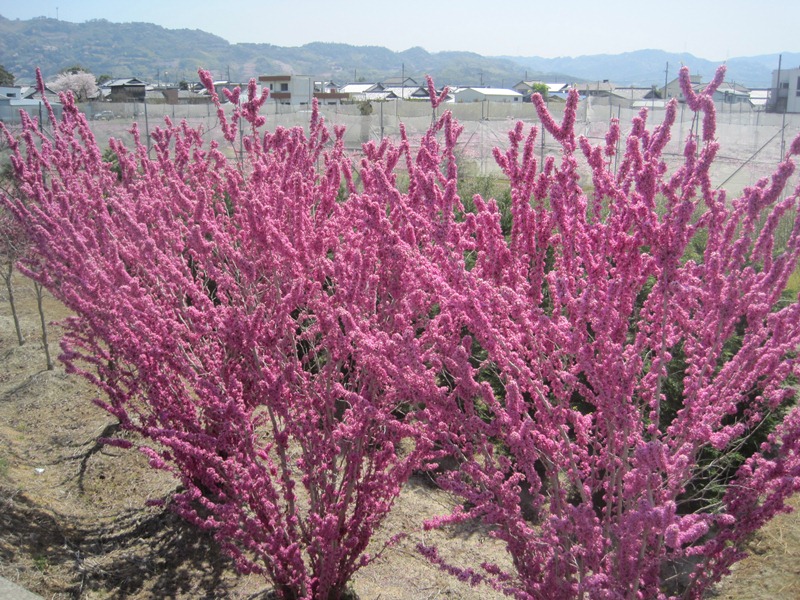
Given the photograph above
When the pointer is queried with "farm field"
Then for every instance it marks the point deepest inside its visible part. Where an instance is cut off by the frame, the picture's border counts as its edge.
(74, 522)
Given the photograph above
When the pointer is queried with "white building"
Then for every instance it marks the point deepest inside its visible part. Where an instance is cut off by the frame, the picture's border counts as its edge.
(289, 89)
(481, 94)
(299, 90)
(785, 94)
(12, 102)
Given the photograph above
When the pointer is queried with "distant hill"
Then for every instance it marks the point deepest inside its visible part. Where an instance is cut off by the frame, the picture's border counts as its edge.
(154, 53)
(646, 67)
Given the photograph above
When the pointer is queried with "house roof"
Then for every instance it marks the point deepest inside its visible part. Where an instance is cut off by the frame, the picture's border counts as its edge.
(633, 93)
(356, 88)
(654, 103)
(128, 82)
(556, 88)
(596, 86)
(759, 97)
(400, 82)
(407, 91)
(490, 91)
(552, 88)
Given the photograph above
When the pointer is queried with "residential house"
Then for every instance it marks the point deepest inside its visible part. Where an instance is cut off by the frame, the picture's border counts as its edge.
(14, 99)
(289, 89)
(10, 92)
(673, 88)
(640, 97)
(361, 92)
(596, 89)
(125, 90)
(727, 93)
(554, 90)
(635, 93)
(407, 92)
(732, 93)
(298, 90)
(401, 82)
(328, 93)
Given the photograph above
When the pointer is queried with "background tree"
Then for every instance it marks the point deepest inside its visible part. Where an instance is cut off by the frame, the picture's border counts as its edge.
(541, 89)
(12, 240)
(74, 69)
(82, 84)
(6, 77)
(13, 247)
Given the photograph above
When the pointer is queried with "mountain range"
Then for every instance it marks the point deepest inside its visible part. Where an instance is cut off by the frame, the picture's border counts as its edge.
(157, 54)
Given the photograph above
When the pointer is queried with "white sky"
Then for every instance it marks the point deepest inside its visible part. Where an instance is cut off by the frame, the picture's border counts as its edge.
(711, 29)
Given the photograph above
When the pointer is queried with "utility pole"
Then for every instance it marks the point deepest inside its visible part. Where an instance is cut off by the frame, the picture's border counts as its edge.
(666, 80)
(783, 122)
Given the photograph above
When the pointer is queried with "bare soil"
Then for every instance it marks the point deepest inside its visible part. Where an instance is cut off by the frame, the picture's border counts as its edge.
(74, 522)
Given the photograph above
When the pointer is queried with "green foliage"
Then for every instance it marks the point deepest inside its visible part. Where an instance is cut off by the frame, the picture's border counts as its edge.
(793, 285)
(541, 88)
(41, 563)
(716, 468)
(110, 157)
(365, 108)
(6, 77)
(488, 187)
(73, 69)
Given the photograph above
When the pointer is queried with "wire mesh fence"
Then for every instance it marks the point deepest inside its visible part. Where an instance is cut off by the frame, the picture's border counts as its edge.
(752, 141)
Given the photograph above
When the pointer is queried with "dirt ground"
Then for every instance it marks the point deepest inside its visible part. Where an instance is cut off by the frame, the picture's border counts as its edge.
(74, 525)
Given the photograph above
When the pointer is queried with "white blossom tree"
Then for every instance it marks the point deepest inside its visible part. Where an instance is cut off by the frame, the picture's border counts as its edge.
(81, 83)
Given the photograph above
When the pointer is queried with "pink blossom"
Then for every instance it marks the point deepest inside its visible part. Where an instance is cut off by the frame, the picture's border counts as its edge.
(292, 340)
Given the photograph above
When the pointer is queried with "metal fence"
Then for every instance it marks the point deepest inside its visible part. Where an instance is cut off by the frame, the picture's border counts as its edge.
(752, 141)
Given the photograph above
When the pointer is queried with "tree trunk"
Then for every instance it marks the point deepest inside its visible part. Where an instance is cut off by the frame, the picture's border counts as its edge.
(10, 289)
(39, 297)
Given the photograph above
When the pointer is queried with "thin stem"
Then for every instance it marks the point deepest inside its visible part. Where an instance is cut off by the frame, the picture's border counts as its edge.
(40, 306)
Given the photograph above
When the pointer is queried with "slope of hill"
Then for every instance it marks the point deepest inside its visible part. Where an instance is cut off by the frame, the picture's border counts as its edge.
(155, 53)
(646, 67)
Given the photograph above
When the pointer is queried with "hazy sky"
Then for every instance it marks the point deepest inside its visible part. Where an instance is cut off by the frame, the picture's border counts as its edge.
(711, 29)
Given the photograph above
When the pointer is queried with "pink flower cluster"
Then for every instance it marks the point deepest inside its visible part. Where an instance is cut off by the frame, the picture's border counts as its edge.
(294, 341)
(573, 326)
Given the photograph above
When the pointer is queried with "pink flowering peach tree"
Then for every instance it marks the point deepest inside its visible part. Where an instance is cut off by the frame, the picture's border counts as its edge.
(292, 334)
(625, 374)
(264, 337)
